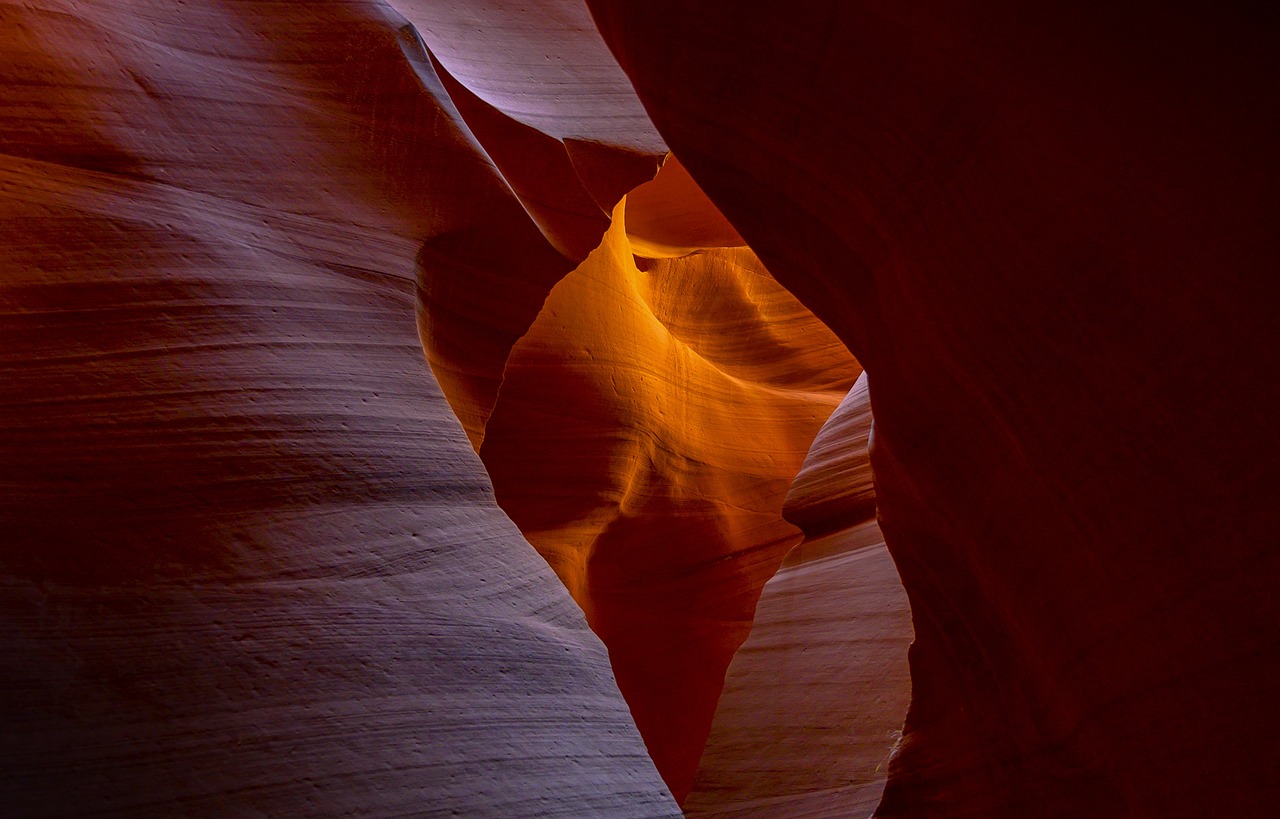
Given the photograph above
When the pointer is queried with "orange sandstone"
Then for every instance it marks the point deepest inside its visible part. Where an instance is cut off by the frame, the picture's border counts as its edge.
(644, 438)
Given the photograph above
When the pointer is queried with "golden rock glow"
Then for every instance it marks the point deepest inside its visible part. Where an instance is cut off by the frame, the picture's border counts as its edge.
(644, 437)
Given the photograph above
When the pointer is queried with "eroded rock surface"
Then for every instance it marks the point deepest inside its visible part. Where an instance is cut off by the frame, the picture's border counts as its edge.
(251, 564)
(834, 489)
(644, 438)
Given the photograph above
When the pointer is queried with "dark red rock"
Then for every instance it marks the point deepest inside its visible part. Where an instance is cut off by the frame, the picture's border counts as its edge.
(1049, 234)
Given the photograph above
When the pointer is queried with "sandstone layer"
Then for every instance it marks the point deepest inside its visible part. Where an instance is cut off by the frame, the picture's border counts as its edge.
(834, 490)
(251, 564)
(813, 701)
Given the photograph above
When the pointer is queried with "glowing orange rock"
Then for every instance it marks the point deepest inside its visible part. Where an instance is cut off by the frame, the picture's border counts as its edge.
(646, 433)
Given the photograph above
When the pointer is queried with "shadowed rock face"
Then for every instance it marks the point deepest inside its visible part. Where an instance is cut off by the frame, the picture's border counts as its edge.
(1049, 236)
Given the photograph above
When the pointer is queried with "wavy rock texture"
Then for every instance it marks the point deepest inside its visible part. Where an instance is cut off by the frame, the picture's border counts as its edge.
(542, 64)
(1048, 233)
(813, 702)
(834, 490)
(250, 564)
(560, 121)
(644, 438)
(814, 699)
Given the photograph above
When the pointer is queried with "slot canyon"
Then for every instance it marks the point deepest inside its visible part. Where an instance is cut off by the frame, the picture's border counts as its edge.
(589, 408)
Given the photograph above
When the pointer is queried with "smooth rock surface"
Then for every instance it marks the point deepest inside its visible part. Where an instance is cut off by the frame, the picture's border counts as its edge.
(249, 563)
(834, 489)
(646, 432)
(813, 701)
(1048, 232)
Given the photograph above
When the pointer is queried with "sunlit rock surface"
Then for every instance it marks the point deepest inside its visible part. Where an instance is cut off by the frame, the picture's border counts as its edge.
(644, 438)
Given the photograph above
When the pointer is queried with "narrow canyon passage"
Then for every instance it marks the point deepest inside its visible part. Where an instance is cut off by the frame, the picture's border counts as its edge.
(464, 408)
(1048, 233)
(645, 437)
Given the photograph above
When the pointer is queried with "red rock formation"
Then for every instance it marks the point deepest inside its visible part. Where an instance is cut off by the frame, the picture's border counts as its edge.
(814, 701)
(558, 121)
(249, 564)
(1048, 233)
(619, 421)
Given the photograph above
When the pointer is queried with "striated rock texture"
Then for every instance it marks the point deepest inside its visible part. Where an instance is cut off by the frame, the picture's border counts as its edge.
(814, 699)
(1048, 233)
(559, 121)
(249, 563)
(834, 490)
(813, 702)
(644, 438)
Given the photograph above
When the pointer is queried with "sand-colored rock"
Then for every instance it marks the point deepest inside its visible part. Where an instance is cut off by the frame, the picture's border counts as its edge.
(646, 433)
(813, 701)
(1048, 233)
(834, 490)
(249, 563)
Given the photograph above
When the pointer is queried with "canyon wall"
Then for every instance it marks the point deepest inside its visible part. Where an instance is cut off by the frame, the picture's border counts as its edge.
(258, 557)
(1048, 234)
(251, 565)
(813, 702)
